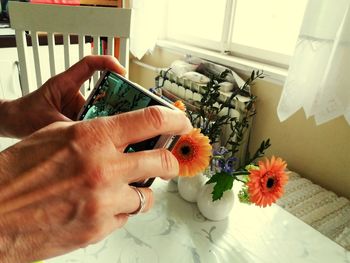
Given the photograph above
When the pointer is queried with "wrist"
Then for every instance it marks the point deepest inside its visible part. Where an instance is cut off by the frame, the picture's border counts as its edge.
(7, 254)
(11, 122)
(17, 247)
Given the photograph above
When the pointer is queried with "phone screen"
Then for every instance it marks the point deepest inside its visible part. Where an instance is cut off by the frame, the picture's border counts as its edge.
(116, 95)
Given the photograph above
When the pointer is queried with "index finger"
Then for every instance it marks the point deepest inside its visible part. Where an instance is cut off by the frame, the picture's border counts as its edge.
(139, 125)
(83, 70)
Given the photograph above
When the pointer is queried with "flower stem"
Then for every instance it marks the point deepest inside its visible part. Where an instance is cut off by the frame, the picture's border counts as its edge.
(236, 178)
(234, 174)
(238, 173)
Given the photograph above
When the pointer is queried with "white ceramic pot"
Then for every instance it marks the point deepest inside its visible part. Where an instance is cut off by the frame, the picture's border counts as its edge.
(175, 179)
(214, 210)
(189, 187)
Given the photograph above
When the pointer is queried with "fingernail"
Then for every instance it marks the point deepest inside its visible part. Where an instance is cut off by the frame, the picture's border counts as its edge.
(124, 71)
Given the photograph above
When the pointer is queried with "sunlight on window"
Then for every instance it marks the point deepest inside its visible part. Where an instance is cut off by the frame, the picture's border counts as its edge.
(271, 25)
(201, 19)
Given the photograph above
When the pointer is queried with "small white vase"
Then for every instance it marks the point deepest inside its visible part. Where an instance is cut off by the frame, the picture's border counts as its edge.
(214, 210)
(175, 179)
(189, 186)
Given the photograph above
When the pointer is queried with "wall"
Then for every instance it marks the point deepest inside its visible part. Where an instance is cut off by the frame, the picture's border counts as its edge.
(319, 153)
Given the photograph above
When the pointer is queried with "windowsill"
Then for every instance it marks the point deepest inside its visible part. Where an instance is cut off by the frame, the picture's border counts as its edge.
(241, 65)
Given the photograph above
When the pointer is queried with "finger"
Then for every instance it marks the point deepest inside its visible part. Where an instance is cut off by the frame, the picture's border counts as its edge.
(139, 125)
(139, 166)
(133, 200)
(85, 68)
(120, 220)
(73, 107)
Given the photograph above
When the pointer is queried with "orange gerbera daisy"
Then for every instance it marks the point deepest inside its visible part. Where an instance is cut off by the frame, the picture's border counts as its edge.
(193, 152)
(266, 184)
(180, 105)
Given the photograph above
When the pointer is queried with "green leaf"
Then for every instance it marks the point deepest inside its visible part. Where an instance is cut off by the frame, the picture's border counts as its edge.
(243, 195)
(252, 75)
(244, 178)
(223, 182)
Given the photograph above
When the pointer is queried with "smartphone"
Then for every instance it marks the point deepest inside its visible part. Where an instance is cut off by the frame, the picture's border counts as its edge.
(113, 94)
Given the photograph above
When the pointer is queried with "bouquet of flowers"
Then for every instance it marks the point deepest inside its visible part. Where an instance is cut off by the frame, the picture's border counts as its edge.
(262, 181)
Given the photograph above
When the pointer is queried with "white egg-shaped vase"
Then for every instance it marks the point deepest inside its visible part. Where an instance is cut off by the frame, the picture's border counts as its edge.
(175, 179)
(189, 186)
(214, 210)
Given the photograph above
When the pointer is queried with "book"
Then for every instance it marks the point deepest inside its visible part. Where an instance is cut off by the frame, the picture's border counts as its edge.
(113, 3)
(56, 2)
(117, 40)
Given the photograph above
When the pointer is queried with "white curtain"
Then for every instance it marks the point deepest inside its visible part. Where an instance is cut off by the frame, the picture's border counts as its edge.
(148, 18)
(319, 75)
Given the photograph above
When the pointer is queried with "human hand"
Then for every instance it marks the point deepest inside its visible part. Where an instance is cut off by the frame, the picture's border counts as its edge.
(67, 185)
(59, 99)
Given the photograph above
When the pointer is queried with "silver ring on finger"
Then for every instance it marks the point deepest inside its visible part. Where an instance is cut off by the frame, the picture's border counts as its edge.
(142, 202)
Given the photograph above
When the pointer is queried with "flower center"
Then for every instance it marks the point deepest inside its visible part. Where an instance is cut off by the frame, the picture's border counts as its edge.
(270, 182)
(185, 150)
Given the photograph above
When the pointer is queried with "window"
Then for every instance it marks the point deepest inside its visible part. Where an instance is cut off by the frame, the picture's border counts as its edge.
(265, 30)
(196, 21)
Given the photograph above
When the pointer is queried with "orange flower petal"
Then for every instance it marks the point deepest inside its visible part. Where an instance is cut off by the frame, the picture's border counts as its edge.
(180, 105)
(266, 184)
(193, 153)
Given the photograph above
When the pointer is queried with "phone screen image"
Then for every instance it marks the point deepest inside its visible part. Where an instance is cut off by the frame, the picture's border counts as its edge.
(115, 95)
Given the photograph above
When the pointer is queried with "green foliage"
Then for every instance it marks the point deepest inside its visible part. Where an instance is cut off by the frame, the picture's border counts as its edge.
(239, 127)
(223, 182)
(208, 116)
(214, 123)
(243, 195)
(259, 152)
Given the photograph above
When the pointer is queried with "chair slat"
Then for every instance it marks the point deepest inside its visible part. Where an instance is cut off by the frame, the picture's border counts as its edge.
(66, 20)
(96, 42)
(81, 40)
(35, 44)
(51, 43)
(96, 51)
(23, 59)
(66, 43)
(110, 46)
(124, 53)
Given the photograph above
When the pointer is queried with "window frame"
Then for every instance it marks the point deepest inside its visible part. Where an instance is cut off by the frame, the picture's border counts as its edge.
(225, 46)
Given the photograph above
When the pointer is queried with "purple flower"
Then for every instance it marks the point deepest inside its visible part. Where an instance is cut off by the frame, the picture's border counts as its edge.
(220, 152)
(227, 166)
(230, 165)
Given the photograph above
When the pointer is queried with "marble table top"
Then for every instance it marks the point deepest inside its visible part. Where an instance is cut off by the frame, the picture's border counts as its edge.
(175, 231)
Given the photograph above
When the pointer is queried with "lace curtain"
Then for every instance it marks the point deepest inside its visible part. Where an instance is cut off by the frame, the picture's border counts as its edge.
(319, 74)
(146, 25)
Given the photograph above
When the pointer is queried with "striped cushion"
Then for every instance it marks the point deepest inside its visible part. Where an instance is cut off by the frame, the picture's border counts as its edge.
(318, 207)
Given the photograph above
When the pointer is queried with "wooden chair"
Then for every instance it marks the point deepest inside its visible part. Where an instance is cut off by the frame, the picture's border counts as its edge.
(65, 21)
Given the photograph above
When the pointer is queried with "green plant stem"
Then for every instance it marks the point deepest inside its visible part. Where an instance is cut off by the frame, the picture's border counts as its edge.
(238, 173)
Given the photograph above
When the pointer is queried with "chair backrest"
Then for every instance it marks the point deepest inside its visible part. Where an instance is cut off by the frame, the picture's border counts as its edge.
(53, 20)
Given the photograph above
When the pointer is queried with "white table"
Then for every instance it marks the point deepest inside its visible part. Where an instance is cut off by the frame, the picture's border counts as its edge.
(175, 231)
